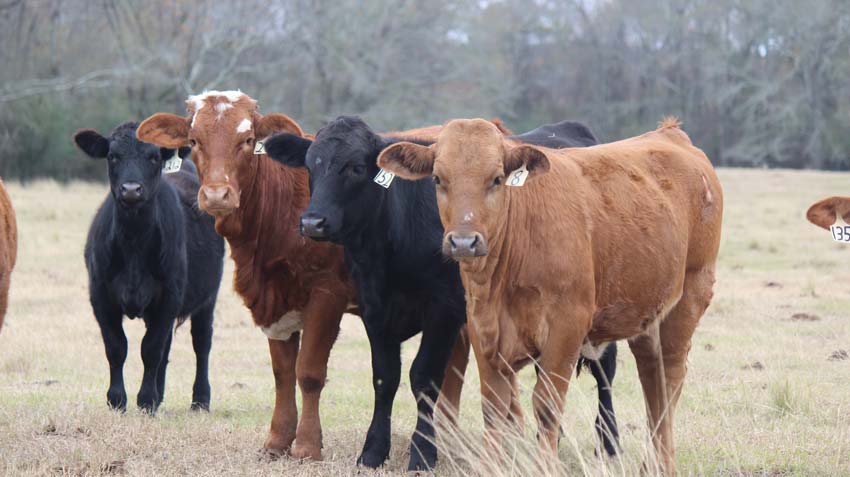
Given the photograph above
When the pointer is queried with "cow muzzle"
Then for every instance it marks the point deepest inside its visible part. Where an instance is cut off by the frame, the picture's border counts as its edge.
(218, 200)
(465, 245)
(131, 193)
(314, 226)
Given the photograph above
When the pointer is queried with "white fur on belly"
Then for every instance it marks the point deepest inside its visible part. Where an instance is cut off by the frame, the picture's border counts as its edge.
(590, 351)
(285, 327)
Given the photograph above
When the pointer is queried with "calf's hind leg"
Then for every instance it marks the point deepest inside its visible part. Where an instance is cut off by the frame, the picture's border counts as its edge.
(202, 331)
(603, 371)
(661, 357)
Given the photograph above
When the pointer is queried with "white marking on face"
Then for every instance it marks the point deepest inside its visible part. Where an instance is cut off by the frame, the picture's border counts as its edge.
(468, 217)
(226, 178)
(244, 126)
(199, 100)
(221, 108)
(288, 324)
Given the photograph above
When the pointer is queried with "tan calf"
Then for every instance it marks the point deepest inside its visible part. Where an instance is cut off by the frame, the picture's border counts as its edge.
(616, 241)
(8, 248)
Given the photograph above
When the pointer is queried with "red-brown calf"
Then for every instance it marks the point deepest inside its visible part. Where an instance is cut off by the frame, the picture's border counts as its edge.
(292, 285)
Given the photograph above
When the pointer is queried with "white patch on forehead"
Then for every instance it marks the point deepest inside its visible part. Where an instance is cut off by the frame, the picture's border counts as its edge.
(467, 218)
(199, 100)
(285, 327)
(222, 107)
(245, 125)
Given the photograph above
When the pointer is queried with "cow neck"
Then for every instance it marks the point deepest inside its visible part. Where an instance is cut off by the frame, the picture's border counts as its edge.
(268, 207)
(138, 224)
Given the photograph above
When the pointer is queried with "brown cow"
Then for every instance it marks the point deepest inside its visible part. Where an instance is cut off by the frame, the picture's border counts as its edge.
(609, 242)
(824, 213)
(8, 248)
(292, 285)
(289, 282)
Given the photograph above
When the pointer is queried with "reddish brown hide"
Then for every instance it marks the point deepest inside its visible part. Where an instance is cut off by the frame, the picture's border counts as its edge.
(8, 248)
(290, 283)
(610, 242)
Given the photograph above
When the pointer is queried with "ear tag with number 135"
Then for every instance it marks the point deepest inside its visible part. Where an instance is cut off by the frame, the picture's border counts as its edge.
(840, 233)
(384, 178)
(517, 178)
(172, 165)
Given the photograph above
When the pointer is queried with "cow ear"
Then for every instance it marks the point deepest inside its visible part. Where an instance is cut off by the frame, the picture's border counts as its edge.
(288, 149)
(408, 160)
(92, 143)
(269, 124)
(534, 159)
(164, 130)
(824, 213)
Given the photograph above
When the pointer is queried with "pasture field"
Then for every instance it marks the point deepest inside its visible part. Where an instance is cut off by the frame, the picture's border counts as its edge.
(767, 393)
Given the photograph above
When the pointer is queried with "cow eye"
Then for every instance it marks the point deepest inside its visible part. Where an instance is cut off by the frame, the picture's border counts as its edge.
(354, 170)
(497, 181)
(193, 142)
(249, 141)
(436, 180)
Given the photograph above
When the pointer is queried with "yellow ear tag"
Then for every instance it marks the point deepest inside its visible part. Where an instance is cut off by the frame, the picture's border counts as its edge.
(384, 178)
(517, 178)
(172, 165)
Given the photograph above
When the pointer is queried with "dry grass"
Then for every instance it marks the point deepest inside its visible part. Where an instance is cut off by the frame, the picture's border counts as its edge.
(763, 396)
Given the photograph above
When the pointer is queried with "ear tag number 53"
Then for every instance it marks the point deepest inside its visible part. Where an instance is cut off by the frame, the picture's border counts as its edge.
(517, 178)
(384, 178)
(840, 233)
(172, 165)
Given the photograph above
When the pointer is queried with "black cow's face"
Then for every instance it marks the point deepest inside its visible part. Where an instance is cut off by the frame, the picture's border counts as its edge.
(342, 164)
(134, 167)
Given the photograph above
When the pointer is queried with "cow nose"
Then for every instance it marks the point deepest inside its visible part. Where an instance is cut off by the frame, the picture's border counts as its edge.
(465, 245)
(313, 225)
(131, 192)
(216, 195)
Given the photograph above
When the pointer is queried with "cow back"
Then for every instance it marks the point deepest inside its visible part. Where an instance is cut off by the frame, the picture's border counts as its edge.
(558, 135)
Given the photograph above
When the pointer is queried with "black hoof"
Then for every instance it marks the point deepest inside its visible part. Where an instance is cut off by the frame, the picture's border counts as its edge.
(371, 459)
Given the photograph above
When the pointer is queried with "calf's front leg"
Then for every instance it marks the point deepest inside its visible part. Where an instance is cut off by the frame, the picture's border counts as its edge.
(285, 417)
(321, 327)
(386, 374)
(153, 350)
(426, 378)
(115, 344)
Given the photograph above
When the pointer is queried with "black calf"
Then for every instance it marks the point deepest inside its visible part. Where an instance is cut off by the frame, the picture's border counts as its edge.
(392, 238)
(151, 254)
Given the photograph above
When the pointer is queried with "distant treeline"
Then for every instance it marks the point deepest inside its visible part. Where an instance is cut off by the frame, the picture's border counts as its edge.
(756, 82)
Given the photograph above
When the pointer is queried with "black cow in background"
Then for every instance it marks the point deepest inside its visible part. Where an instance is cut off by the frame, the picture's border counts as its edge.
(393, 240)
(150, 254)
